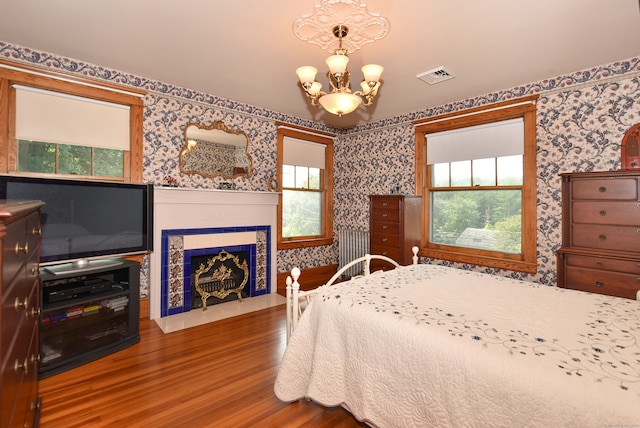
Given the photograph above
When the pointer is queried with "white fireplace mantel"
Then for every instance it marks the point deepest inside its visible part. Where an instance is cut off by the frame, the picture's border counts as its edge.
(179, 208)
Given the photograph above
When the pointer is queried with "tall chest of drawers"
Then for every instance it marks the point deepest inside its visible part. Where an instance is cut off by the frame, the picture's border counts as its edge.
(600, 250)
(394, 227)
(20, 237)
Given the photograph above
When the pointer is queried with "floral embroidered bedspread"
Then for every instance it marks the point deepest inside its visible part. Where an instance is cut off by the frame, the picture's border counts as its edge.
(433, 346)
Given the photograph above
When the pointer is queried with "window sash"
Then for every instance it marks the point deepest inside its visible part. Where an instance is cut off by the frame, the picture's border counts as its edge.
(485, 222)
(321, 181)
(52, 158)
(304, 222)
(524, 108)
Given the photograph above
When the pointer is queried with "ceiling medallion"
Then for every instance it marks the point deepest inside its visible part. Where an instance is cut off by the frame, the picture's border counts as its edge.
(364, 26)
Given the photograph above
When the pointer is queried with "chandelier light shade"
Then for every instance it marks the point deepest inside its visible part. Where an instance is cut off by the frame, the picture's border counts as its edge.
(340, 102)
(340, 99)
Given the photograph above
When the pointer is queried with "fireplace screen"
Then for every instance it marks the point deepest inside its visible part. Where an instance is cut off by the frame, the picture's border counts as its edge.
(221, 277)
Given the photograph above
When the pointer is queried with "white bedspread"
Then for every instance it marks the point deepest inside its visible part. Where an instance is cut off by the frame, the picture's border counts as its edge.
(434, 346)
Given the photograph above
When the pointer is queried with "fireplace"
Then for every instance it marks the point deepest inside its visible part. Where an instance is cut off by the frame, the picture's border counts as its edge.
(219, 278)
(183, 246)
(194, 223)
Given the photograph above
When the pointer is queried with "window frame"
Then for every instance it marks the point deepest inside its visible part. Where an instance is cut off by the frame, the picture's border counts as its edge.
(526, 261)
(11, 73)
(326, 186)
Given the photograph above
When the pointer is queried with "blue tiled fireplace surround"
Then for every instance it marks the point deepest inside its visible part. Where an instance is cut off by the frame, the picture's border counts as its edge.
(176, 264)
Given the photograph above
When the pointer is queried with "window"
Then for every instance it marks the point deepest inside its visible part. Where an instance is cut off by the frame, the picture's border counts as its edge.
(67, 159)
(477, 171)
(68, 135)
(66, 126)
(305, 214)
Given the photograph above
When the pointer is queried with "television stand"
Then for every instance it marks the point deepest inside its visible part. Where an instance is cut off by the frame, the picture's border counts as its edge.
(81, 266)
(88, 314)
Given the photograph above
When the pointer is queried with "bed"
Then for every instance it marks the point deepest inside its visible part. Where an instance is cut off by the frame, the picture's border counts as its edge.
(434, 346)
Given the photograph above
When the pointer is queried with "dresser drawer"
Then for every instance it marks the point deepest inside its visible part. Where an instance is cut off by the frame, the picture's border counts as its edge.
(383, 250)
(32, 234)
(32, 402)
(602, 282)
(27, 398)
(606, 212)
(601, 188)
(385, 240)
(392, 253)
(385, 228)
(385, 203)
(603, 263)
(15, 307)
(13, 251)
(19, 363)
(386, 215)
(617, 238)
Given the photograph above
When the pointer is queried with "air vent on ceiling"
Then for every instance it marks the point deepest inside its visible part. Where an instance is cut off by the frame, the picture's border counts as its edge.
(436, 75)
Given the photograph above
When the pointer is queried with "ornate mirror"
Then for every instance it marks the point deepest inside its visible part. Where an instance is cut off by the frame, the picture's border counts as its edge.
(215, 151)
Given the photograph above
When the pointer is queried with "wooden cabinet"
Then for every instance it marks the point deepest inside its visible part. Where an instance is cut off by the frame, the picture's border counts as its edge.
(20, 237)
(600, 250)
(394, 227)
(89, 314)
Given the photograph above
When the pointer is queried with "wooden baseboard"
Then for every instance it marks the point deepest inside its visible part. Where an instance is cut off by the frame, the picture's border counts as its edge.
(309, 278)
(144, 308)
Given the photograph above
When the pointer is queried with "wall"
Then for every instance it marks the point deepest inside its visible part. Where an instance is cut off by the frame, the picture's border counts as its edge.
(581, 120)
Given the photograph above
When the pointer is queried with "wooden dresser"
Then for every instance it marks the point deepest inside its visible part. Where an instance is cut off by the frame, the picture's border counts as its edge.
(394, 227)
(600, 250)
(20, 236)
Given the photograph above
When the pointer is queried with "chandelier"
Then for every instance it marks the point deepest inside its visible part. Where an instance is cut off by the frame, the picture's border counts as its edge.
(340, 100)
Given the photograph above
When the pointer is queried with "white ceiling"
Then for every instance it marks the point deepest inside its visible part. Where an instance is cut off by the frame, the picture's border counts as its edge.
(245, 50)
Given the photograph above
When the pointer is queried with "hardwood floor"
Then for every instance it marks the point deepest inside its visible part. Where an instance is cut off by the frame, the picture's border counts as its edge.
(219, 374)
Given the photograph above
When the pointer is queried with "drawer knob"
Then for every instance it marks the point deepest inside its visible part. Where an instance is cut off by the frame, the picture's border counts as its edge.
(599, 284)
(21, 366)
(385, 227)
(20, 249)
(603, 212)
(603, 237)
(18, 305)
(35, 313)
(384, 204)
(385, 239)
(602, 189)
(36, 231)
(385, 215)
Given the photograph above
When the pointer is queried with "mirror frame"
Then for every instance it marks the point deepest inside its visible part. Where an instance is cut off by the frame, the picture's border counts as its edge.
(220, 126)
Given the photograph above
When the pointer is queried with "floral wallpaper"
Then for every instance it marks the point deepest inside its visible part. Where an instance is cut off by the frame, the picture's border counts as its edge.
(164, 121)
(582, 118)
(579, 128)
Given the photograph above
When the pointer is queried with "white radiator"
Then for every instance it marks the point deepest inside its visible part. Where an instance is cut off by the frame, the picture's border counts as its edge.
(352, 244)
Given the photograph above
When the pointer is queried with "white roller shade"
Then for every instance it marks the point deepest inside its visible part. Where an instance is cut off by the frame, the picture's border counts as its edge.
(66, 119)
(303, 153)
(497, 139)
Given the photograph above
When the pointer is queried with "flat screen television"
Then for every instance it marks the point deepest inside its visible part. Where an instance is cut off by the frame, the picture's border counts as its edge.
(85, 220)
